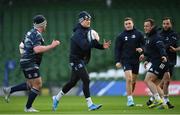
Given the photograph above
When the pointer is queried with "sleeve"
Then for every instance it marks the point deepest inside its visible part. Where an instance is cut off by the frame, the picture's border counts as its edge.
(142, 42)
(97, 45)
(178, 40)
(147, 57)
(118, 49)
(37, 40)
(175, 40)
(161, 47)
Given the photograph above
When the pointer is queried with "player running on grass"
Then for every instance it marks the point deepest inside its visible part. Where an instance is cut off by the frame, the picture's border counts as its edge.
(128, 54)
(82, 41)
(31, 48)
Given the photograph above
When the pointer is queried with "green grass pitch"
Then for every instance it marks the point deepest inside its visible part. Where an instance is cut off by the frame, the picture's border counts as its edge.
(77, 105)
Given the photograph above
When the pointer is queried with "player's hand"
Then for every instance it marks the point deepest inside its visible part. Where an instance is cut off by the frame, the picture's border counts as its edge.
(141, 57)
(139, 50)
(172, 49)
(55, 43)
(118, 65)
(106, 44)
(164, 59)
(145, 64)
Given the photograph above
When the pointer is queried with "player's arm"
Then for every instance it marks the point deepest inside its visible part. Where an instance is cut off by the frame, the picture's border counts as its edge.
(146, 59)
(95, 40)
(105, 45)
(117, 51)
(162, 50)
(175, 47)
(97, 45)
(41, 48)
(140, 48)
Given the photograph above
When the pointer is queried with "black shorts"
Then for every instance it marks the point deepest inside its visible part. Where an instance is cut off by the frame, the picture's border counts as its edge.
(131, 66)
(31, 73)
(171, 70)
(159, 68)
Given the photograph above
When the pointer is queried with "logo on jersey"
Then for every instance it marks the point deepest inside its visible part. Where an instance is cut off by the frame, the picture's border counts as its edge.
(167, 38)
(126, 38)
(133, 36)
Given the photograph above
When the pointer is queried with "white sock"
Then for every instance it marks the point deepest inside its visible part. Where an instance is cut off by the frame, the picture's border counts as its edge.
(166, 99)
(151, 98)
(89, 101)
(130, 97)
(157, 97)
(59, 95)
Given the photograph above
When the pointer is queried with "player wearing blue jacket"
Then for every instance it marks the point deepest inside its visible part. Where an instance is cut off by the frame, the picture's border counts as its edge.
(82, 41)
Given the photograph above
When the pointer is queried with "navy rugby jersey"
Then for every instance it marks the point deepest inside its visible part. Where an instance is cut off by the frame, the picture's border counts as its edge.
(126, 44)
(32, 39)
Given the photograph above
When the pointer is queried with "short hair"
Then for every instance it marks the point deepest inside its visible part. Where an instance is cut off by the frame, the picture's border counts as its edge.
(167, 18)
(152, 22)
(128, 18)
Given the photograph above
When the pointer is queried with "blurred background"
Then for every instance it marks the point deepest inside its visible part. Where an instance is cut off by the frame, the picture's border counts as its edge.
(107, 19)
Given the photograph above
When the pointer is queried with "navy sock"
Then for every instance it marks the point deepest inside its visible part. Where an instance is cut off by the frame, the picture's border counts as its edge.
(20, 87)
(32, 95)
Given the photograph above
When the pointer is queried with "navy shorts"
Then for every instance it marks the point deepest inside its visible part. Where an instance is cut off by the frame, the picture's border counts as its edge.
(171, 70)
(31, 73)
(131, 66)
(159, 68)
(30, 70)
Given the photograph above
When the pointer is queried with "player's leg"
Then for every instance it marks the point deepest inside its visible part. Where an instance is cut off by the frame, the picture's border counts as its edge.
(68, 86)
(128, 75)
(158, 83)
(164, 72)
(166, 83)
(150, 80)
(83, 74)
(134, 78)
(161, 93)
(34, 79)
(135, 71)
(9, 90)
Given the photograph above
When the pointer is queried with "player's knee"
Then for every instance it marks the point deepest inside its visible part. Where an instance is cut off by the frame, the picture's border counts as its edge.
(37, 84)
(134, 81)
(129, 80)
(146, 80)
(166, 82)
